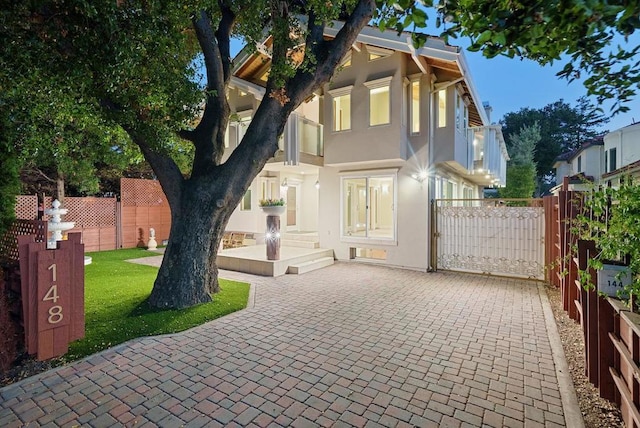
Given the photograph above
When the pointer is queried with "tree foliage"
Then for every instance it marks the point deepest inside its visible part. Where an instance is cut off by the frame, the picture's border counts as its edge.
(80, 77)
(563, 128)
(521, 169)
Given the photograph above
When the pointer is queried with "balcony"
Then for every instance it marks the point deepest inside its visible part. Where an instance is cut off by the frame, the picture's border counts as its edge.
(489, 155)
(302, 141)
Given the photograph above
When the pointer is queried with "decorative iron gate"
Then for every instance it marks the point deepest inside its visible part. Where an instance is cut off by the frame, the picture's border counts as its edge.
(491, 236)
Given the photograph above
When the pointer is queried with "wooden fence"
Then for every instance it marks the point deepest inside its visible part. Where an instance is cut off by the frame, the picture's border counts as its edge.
(611, 330)
(106, 223)
(143, 206)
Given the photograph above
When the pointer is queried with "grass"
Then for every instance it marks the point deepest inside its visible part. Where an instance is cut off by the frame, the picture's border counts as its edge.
(116, 309)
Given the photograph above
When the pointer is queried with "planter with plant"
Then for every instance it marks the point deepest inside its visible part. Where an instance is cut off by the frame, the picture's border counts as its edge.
(273, 206)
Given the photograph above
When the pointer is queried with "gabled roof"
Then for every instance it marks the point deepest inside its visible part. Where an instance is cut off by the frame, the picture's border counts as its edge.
(569, 156)
(250, 64)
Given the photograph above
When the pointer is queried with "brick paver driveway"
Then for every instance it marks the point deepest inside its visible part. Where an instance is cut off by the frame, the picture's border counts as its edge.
(347, 345)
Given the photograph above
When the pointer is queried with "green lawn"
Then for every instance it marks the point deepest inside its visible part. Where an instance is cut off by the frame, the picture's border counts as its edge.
(115, 307)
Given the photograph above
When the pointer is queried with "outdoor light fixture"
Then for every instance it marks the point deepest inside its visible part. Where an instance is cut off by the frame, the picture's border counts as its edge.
(420, 176)
(317, 184)
(284, 183)
(272, 235)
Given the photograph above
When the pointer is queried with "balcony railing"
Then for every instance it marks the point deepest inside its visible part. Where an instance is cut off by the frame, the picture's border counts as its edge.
(301, 136)
(488, 152)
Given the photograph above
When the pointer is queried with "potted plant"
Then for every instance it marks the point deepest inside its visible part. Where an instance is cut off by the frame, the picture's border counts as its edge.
(273, 206)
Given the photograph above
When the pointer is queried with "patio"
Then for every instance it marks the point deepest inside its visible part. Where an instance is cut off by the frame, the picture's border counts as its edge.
(351, 345)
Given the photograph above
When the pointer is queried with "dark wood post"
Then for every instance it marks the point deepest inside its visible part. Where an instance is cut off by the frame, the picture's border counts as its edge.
(52, 287)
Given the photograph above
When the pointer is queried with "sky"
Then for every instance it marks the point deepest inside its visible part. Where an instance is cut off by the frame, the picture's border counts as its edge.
(509, 84)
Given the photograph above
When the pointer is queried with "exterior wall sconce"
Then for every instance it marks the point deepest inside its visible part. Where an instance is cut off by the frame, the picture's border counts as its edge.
(284, 183)
(317, 184)
(420, 176)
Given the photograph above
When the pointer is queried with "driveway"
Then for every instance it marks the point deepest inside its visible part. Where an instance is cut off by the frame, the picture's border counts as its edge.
(348, 345)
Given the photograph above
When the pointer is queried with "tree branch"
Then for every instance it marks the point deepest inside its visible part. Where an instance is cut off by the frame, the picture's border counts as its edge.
(165, 169)
(223, 36)
(328, 53)
(208, 137)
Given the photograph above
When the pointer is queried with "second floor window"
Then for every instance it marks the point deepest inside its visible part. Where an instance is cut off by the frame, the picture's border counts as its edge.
(442, 108)
(342, 112)
(379, 101)
(612, 160)
(379, 107)
(415, 107)
(580, 163)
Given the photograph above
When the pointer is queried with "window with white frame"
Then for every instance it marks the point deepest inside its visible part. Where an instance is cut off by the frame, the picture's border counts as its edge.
(245, 203)
(341, 108)
(415, 106)
(442, 108)
(236, 129)
(368, 206)
(379, 101)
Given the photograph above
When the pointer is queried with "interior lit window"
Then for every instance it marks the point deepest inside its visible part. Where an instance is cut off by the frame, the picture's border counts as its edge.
(442, 108)
(415, 107)
(342, 112)
(379, 106)
(368, 207)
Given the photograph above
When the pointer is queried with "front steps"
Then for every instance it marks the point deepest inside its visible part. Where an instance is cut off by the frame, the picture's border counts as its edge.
(305, 267)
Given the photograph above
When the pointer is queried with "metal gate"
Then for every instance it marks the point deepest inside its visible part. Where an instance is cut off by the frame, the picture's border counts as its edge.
(491, 236)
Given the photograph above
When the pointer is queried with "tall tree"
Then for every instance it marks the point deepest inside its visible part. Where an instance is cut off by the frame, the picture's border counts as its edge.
(563, 128)
(521, 169)
(129, 65)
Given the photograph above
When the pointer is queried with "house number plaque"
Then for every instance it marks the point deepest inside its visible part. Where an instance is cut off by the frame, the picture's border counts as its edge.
(52, 288)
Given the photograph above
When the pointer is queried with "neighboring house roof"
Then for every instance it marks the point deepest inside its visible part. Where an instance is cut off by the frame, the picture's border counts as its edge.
(569, 156)
(252, 64)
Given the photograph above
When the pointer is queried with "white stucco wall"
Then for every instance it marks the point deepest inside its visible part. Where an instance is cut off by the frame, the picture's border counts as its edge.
(410, 248)
(626, 141)
(592, 161)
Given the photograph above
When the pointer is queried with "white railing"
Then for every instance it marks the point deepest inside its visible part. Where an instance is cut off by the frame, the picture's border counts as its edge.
(489, 153)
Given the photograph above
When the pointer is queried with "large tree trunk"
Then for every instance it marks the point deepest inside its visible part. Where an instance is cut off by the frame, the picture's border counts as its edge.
(201, 206)
(188, 274)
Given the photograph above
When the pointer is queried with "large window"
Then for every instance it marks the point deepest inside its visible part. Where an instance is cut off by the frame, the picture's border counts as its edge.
(379, 107)
(379, 101)
(415, 107)
(368, 207)
(442, 108)
(342, 112)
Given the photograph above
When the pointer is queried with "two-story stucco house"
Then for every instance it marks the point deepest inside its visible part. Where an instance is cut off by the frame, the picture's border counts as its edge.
(602, 160)
(361, 160)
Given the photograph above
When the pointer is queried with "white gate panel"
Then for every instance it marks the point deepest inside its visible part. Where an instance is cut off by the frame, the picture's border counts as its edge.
(497, 240)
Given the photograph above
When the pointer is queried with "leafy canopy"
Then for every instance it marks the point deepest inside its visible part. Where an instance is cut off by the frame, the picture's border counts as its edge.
(521, 169)
(563, 128)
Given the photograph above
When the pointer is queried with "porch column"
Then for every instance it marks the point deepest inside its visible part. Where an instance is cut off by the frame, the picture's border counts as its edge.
(272, 237)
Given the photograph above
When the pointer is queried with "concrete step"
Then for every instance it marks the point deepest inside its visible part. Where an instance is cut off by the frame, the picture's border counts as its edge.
(305, 267)
(301, 244)
(300, 236)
